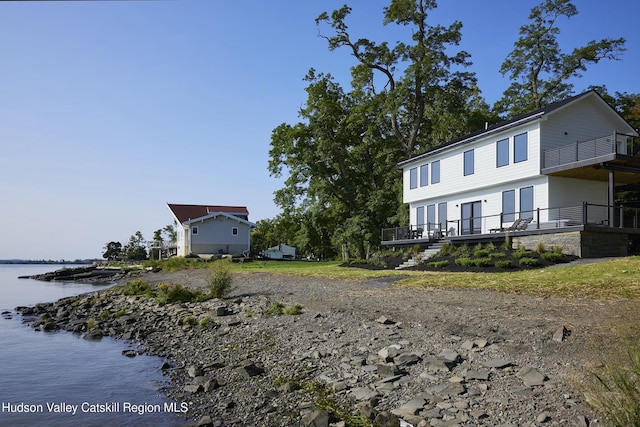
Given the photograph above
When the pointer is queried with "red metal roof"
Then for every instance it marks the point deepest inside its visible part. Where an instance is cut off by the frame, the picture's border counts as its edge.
(188, 212)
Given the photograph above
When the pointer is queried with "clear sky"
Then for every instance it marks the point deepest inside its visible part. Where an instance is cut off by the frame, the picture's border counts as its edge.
(111, 109)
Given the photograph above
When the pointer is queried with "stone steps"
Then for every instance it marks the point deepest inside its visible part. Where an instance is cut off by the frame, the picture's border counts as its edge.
(427, 253)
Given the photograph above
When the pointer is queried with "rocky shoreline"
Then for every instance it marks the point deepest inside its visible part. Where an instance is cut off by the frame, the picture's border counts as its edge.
(357, 351)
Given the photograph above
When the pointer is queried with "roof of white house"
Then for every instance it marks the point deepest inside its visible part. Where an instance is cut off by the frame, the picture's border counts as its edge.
(186, 213)
(516, 121)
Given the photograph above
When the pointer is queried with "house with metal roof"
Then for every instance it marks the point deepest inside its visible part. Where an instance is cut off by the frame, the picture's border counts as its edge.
(207, 230)
(546, 173)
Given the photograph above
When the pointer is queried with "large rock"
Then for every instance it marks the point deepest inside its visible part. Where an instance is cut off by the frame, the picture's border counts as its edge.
(317, 418)
(531, 377)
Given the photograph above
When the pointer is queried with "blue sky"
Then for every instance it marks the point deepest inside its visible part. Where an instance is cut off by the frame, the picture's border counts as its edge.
(109, 110)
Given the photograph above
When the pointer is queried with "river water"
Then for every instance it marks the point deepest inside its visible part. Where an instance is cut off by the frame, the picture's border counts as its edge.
(46, 376)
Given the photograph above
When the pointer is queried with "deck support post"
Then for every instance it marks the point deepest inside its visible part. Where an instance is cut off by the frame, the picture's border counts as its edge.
(612, 199)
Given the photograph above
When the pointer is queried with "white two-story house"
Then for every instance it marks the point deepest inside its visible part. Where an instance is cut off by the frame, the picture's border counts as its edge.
(556, 167)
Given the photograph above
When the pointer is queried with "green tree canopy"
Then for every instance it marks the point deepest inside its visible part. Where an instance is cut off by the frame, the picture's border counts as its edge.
(136, 248)
(426, 97)
(540, 72)
(112, 251)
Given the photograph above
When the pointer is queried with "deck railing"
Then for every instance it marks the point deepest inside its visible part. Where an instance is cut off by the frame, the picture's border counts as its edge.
(552, 218)
(578, 151)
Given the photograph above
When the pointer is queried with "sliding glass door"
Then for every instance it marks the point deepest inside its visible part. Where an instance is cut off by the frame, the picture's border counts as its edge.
(471, 218)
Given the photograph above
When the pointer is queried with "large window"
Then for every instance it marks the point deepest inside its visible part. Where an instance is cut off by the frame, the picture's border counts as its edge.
(442, 215)
(526, 202)
(435, 172)
(468, 162)
(424, 175)
(502, 152)
(431, 217)
(413, 178)
(520, 148)
(509, 205)
(420, 217)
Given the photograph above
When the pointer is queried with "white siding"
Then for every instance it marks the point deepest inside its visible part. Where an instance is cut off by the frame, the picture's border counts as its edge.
(491, 199)
(486, 173)
(582, 121)
(572, 192)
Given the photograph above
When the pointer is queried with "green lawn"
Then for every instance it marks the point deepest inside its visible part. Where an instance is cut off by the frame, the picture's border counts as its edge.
(616, 278)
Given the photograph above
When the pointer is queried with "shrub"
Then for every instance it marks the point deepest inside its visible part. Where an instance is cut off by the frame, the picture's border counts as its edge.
(278, 308)
(490, 247)
(528, 261)
(497, 255)
(176, 294)
(482, 262)
(481, 253)
(136, 287)
(614, 391)
(521, 253)
(505, 263)
(438, 264)
(293, 310)
(189, 321)
(464, 261)
(274, 309)
(220, 280)
(463, 250)
(447, 249)
(539, 247)
(207, 323)
(551, 256)
(507, 241)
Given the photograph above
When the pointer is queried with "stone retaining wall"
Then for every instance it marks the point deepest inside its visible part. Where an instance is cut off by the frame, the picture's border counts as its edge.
(585, 244)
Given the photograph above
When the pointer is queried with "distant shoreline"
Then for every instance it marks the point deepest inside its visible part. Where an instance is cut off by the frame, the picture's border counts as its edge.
(27, 261)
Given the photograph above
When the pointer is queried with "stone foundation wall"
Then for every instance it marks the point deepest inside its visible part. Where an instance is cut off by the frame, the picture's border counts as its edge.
(596, 244)
(585, 244)
(570, 242)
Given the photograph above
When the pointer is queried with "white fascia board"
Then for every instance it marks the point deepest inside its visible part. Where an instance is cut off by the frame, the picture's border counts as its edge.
(217, 214)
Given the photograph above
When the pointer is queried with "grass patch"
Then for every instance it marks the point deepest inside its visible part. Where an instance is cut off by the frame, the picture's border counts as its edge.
(278, 308)
(136, 287)
(617, 278)
(321, 396)
(614, 390)
(176, 264)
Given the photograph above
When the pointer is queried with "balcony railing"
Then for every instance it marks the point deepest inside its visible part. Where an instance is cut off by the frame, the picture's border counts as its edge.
(541, 219)
(579, 151)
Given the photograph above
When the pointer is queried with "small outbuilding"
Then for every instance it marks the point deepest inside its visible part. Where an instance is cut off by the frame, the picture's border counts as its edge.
(282, 251)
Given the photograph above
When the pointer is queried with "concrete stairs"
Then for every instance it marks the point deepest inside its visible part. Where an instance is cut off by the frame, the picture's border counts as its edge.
(426, 254)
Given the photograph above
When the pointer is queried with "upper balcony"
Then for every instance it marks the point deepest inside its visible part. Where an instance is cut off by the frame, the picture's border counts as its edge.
(595, 158)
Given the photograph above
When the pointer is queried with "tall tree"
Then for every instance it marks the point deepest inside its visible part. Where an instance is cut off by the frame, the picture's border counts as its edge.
(136, 248)
(540, 72)
(339, 173)
(343, 184)
(428, 103)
